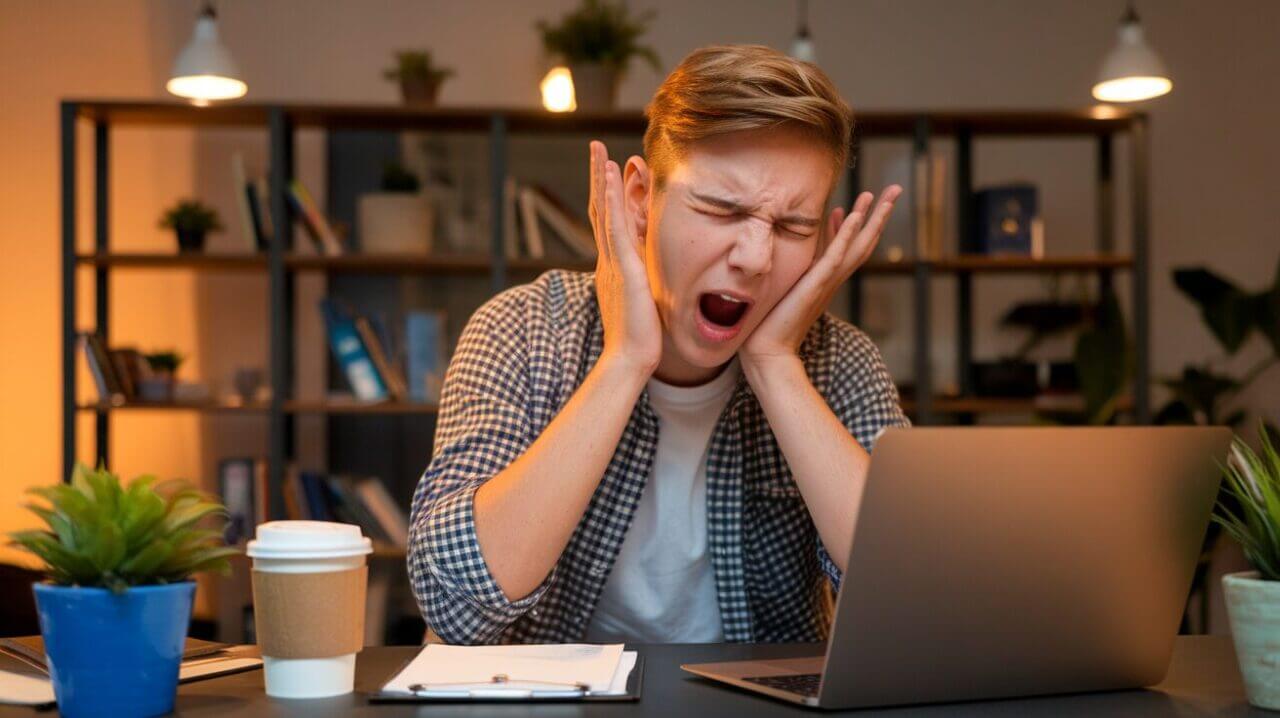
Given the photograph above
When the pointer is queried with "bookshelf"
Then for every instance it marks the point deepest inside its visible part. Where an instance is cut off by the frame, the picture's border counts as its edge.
(281, 264)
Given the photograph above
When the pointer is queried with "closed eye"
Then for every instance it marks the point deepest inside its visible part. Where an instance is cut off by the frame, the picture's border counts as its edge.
(739, 215)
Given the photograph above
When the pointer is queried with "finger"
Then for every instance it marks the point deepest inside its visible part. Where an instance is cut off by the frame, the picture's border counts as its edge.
(595, 203)
(846, 230)
(869, 236)
(833, 226)
(621, 242)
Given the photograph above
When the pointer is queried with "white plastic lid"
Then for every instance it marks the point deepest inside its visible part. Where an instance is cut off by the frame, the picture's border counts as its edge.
(308, 539)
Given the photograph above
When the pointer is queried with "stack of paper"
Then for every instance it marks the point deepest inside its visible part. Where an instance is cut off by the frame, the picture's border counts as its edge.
(515, 671)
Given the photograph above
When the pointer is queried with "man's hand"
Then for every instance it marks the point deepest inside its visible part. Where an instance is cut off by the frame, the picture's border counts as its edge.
(850, 241)
(632, 330)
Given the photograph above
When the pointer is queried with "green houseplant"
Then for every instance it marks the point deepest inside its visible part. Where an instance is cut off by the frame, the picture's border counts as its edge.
(191, 220)
(398, 219)
(115, 609)
(419, 77)
(597, 41)
(163, 366)
(1252, 517)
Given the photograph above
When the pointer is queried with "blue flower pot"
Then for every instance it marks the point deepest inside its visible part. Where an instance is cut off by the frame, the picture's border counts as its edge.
(114, 654)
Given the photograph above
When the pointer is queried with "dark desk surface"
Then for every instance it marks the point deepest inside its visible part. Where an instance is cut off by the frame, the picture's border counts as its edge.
(1203, 681)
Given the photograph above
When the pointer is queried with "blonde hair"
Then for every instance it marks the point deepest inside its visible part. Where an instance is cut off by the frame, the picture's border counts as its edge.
(720, 89)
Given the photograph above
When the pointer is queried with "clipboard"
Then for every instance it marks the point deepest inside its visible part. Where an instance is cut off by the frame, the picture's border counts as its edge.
(553, 693)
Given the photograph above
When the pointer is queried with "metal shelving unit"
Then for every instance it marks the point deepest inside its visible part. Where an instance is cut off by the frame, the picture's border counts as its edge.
(281, 264)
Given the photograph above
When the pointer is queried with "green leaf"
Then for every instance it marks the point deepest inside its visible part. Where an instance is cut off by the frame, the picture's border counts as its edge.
(1103, 358)
(1226, 309)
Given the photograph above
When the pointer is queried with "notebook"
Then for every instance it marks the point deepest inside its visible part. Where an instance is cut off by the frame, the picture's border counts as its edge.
(574, 671)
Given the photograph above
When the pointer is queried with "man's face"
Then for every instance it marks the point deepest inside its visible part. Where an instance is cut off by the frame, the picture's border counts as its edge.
(740, 218)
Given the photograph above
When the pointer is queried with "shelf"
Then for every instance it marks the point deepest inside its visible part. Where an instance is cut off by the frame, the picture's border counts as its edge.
(1047, 404)
(481, 264)
(1006, 264)
(206, 407)
(331, 406)
(292, 406)
(1097, 120)
(196, 261)
(424, 264)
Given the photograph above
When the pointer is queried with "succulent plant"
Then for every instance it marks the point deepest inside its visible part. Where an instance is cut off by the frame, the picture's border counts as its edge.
(166, 362)
(103, 534)
(191, 215)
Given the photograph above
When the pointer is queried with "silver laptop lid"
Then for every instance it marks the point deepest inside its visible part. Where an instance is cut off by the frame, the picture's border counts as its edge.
(991, 561)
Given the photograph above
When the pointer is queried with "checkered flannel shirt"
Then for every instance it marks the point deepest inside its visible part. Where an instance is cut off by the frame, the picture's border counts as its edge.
(519, 360)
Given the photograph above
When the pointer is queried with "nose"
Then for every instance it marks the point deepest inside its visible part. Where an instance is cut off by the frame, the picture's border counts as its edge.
(752, 251)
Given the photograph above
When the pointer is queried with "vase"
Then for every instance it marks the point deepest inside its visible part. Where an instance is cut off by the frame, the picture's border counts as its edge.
(190, 240)
(395, 223)
(595, 86)
(113, 654)
(1253, 609)
(419, 91)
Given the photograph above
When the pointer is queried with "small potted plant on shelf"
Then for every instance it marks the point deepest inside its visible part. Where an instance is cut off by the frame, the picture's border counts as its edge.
(1249, 511)
(163, 367)
(598, 41)
(191, 220)
(116, 606)
(420, 79)
(399, 219)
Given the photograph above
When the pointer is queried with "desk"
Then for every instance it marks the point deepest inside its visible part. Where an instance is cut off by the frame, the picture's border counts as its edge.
(1203, 681)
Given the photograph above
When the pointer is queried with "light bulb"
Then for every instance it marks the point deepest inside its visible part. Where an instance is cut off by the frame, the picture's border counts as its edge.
(557, 90)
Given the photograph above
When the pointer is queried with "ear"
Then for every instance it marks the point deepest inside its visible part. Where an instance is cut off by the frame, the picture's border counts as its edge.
(636, 185)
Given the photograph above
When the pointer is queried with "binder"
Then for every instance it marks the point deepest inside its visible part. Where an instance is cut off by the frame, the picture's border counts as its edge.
(554, 693)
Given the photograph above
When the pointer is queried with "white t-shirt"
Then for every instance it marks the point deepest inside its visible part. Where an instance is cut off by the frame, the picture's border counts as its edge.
(662, 588)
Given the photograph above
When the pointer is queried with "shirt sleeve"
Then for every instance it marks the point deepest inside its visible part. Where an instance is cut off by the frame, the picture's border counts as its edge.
(866, 401)
(482, 427)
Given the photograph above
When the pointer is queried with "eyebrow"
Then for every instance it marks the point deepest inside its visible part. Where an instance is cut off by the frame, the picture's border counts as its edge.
(730, 205)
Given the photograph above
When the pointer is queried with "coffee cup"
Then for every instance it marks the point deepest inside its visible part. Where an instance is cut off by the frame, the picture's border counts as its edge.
(309, 583)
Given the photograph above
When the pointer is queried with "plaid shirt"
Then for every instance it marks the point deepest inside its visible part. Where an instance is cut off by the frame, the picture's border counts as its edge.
(519, 360)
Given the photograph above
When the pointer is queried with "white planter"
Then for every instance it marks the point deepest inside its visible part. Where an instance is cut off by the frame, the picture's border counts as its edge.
(395, 223)
(1253, 607)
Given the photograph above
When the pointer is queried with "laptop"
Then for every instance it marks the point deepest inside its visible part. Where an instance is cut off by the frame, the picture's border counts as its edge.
(992, 562)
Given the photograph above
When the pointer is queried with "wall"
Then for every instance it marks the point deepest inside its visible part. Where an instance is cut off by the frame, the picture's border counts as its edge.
(1212, 150)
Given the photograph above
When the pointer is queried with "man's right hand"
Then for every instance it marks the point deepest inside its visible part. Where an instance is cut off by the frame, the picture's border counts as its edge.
(632, 329)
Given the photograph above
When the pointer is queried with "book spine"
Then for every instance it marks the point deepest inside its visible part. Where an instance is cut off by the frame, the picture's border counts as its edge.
(395, 386)
(240, 180)
(393, 520)
(351, 355)
(329, 244)
(424, 350)
(532, 233)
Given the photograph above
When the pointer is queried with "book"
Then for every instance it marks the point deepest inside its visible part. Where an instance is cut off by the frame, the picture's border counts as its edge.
(529, 218)
(318, 227)
(424, 354)
(573, 232)
(261, 241)
(263, 194)
(928, 191)
(110, 390)
(351, 354)
(390, 517)
(316, 501)
(240, 182)
(510, 231)
(1004, 218)
(347, 507)
(237, 487)
(390, 375)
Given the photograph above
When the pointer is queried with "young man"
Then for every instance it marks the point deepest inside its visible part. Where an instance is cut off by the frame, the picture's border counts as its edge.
(671, 448)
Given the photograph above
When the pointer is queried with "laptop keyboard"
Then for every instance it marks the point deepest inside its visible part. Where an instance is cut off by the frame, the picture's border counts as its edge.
(805, 684)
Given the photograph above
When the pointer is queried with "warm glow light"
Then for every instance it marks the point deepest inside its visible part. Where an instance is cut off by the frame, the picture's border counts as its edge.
(1132, 89)
(557, 91)
(206, 87)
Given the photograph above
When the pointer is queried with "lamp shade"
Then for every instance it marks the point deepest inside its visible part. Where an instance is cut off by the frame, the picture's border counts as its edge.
(204, 70)
(1131, 71)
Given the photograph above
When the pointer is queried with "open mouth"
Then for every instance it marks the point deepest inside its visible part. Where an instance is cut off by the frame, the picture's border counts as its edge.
(722, 310)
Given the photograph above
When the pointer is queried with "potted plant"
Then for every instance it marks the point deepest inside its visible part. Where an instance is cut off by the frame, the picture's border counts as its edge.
(191, 220)
(419, 77)
(597, 41)
(158, 384)
(1248, 510)
(115, 608)
(399, 219)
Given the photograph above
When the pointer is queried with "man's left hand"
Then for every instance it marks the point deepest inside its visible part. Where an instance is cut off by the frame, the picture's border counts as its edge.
(850, 241)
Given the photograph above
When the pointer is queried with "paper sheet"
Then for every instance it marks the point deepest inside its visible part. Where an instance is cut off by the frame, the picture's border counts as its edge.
(604, 669)
(23, 689)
